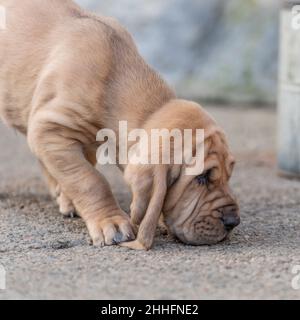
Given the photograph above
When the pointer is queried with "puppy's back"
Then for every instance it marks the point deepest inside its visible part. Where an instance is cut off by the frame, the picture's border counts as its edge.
(34, 29)
(84, 49)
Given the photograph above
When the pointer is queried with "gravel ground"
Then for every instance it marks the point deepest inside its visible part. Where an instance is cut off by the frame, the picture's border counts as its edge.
(48, 257)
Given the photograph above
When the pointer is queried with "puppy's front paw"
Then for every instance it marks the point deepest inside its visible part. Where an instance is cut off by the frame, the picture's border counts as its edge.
(110, 231)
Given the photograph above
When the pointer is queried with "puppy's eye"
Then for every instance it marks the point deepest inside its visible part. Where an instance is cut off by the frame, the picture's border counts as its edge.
(203, 179)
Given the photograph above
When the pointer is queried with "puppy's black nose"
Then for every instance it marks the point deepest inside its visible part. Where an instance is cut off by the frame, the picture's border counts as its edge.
(231, 221)
(230, 218)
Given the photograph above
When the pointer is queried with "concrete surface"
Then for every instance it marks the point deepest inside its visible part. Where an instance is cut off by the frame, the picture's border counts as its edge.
(47, 257)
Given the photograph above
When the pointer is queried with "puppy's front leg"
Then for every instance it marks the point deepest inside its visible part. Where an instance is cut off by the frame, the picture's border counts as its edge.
(88, 190)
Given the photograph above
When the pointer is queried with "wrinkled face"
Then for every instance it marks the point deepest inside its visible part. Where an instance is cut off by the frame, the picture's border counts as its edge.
(201, 209)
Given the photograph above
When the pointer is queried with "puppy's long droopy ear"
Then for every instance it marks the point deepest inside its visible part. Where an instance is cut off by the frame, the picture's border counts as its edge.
(149, 223)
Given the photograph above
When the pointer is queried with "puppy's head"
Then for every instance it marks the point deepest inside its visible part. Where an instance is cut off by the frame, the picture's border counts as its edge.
(201, 208)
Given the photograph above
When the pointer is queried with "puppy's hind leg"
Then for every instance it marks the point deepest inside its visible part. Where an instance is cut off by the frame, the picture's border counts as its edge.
(66, 207)
(50, 181)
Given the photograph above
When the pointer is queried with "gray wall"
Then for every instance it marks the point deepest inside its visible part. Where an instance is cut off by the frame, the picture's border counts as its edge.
(220, 50)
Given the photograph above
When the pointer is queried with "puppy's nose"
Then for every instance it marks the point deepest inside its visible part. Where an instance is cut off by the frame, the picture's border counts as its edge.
(231, 222)
(230, 217)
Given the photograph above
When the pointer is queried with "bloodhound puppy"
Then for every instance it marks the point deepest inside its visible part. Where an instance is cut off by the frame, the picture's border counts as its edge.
(65, 74)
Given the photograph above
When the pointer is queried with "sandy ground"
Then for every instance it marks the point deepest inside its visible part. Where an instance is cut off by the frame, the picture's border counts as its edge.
(48, 257)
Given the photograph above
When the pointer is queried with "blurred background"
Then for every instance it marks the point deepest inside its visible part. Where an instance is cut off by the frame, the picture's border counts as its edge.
(212, 50)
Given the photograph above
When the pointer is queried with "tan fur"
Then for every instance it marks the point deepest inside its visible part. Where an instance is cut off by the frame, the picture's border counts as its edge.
(64, 75)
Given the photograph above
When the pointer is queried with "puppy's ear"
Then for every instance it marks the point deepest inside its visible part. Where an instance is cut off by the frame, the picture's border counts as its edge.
(154, 194)
(140, 180)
